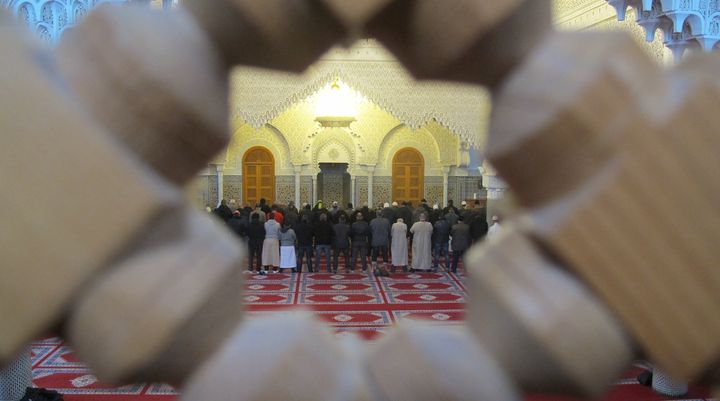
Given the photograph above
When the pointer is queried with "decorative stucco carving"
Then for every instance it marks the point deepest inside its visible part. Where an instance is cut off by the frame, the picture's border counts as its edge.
(332, 146)
(259, 96)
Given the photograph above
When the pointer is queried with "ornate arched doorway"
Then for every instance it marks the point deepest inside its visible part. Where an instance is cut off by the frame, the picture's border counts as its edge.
(258, 169)
(408, 176)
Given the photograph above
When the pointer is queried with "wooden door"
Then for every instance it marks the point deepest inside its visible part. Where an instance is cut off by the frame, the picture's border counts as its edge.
(258, 176)
(408, 176)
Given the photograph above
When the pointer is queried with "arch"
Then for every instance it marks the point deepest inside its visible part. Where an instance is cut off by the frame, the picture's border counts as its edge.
(325, 143)
(402, 136)
(246, 137)
(258, 166)
(408, 176)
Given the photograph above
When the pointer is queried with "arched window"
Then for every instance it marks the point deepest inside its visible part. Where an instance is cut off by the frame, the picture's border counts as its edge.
(258, 176)
(408, 176)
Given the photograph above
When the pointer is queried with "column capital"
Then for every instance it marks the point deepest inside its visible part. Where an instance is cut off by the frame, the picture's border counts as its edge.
(219, 167)
(445, 170)
(297, 169)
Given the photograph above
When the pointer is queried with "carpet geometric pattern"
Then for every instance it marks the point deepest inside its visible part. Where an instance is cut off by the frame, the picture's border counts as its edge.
(351, 304)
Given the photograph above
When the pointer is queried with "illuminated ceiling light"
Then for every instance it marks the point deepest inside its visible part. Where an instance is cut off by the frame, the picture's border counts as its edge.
(336, 105)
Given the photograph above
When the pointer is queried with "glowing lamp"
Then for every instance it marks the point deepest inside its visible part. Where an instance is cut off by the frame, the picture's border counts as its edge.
(336, 105)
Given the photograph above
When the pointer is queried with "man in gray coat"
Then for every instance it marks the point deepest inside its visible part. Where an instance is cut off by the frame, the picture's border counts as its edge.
(380, 234)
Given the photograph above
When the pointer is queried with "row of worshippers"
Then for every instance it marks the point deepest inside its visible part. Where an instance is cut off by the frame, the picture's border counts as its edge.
(276, 241)
(474, 216)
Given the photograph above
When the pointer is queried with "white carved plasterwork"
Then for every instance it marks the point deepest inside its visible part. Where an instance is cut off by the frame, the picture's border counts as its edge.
(686, 24)
(333, 146)
(260, 95)
(51, 18)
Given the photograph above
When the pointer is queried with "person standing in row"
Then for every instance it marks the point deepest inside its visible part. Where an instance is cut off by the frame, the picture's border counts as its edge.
(359, 232)
(494, 230)
(460, 233)
(323, 232)
(256, 236)
(441, 237)
(304, 234)
(421, 244)
(399, 250)
(380, 234)
(287, 239)
(341, 239)
(271, 245)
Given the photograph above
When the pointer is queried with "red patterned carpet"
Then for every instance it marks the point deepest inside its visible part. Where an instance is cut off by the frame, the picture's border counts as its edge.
(352, 304)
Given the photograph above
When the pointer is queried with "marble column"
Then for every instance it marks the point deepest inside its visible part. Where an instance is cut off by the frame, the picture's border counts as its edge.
(352, 191)
(219, 172)
(314, 189)
(446, 172)
(371, 173)
(298, 170)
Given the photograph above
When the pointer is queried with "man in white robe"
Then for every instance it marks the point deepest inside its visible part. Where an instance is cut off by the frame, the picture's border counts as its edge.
(422, 244)
(399, 245)
(495, 228)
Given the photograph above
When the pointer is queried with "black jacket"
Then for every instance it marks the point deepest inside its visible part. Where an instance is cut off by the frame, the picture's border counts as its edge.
(236, 225)
(360, 232)
(256, 232)
(323, 233)
(341, 235)
(460, 236)
(441, 232)
(304, 233)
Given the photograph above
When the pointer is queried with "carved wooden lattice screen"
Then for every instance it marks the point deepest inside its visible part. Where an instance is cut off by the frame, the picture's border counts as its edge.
(258, 176)
(408, 176)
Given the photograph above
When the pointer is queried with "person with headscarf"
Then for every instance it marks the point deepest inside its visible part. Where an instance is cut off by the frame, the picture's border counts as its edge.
(287, 238)
(271, 245)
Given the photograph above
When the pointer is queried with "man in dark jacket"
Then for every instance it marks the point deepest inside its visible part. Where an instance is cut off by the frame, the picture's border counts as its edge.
(479, 225)
(304, 233)
(441, 237)
(236, 225)
(291, 216)
(380, 233)
(307, 213)
(460, 233)
(322, 232)
(451, 217)
(223, 211)
(256, 236)
(450, 206)
(360, 233)
(405, 212)
(341, 242)
(389, 213)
